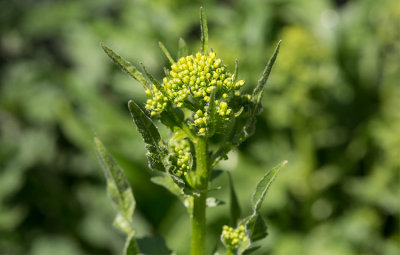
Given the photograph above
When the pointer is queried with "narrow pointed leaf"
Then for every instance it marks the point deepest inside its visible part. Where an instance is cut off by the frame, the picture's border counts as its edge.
(131, 247)
(154, 145)
(263, 186)
(166, 52)
(235, 74)
(125, 66)
(153, 80)
(234, 203)
(204, 31)
(258, 91)
(182, 48)
(118, 187)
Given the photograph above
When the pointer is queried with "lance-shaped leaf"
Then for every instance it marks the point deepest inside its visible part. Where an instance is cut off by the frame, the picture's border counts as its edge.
(256, 97)
(182, 48)
(118, 187)
(154, 145)
(154, 81)
(255, 225)
(259, 90)
(125, 66)
(166, 52)
(204, 31)
(263, 186)
(234, 203)
(235, 74)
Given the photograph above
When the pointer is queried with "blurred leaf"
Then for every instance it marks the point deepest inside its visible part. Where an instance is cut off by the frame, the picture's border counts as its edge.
(125, 66)
(170, 185)
(258, 91)
(250, 250)
(234, 203)
(153, 246)
(256, 228)
(151, 137)
(204, 31)
(131, 246)
(182, 48)
(215, 174)
(118, 186)
(235, 74)
(263, 186)
(166, 53)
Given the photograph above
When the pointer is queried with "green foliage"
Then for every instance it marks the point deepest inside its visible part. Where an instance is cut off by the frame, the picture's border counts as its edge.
(330, 108)
(120, 192)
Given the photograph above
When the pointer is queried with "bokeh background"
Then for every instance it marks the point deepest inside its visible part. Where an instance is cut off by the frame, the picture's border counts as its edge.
(332, 108)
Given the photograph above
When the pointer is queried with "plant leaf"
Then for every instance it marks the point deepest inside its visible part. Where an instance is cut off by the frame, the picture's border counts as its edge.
(258, 91)
(256, 227)
(131, 247)
(154, 81)
(183, 50)
(235, 74)
(153, 246)
(166, 52)
(125, 65)
(170, 185)
(154, 145)
(251, 250)
(204, 31)
(263, 186)
(234, 203)
(118, 187)
(215, 174)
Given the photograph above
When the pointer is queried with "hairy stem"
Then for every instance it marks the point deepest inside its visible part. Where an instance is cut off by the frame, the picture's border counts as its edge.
(199, 206)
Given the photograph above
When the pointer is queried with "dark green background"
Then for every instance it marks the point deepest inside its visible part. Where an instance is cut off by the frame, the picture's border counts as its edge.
(332, 108)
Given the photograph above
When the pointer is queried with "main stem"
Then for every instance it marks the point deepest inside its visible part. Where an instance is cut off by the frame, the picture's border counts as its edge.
(199, 202)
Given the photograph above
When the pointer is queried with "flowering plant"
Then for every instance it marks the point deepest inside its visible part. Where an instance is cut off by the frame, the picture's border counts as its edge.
(200, 101)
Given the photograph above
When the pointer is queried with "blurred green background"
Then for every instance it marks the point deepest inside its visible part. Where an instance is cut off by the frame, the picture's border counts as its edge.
(332, 108)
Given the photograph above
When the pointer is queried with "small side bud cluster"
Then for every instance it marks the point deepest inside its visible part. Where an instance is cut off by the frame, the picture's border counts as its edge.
(180, 156)
(191, 81)
(233, 237)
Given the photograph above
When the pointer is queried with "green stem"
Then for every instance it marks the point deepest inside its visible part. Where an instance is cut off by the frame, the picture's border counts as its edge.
(229, 251)
(199, 202)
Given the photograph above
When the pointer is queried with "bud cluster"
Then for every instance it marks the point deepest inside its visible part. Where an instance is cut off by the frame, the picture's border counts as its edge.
(180, 156)
(191, 81)
(233, 237)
